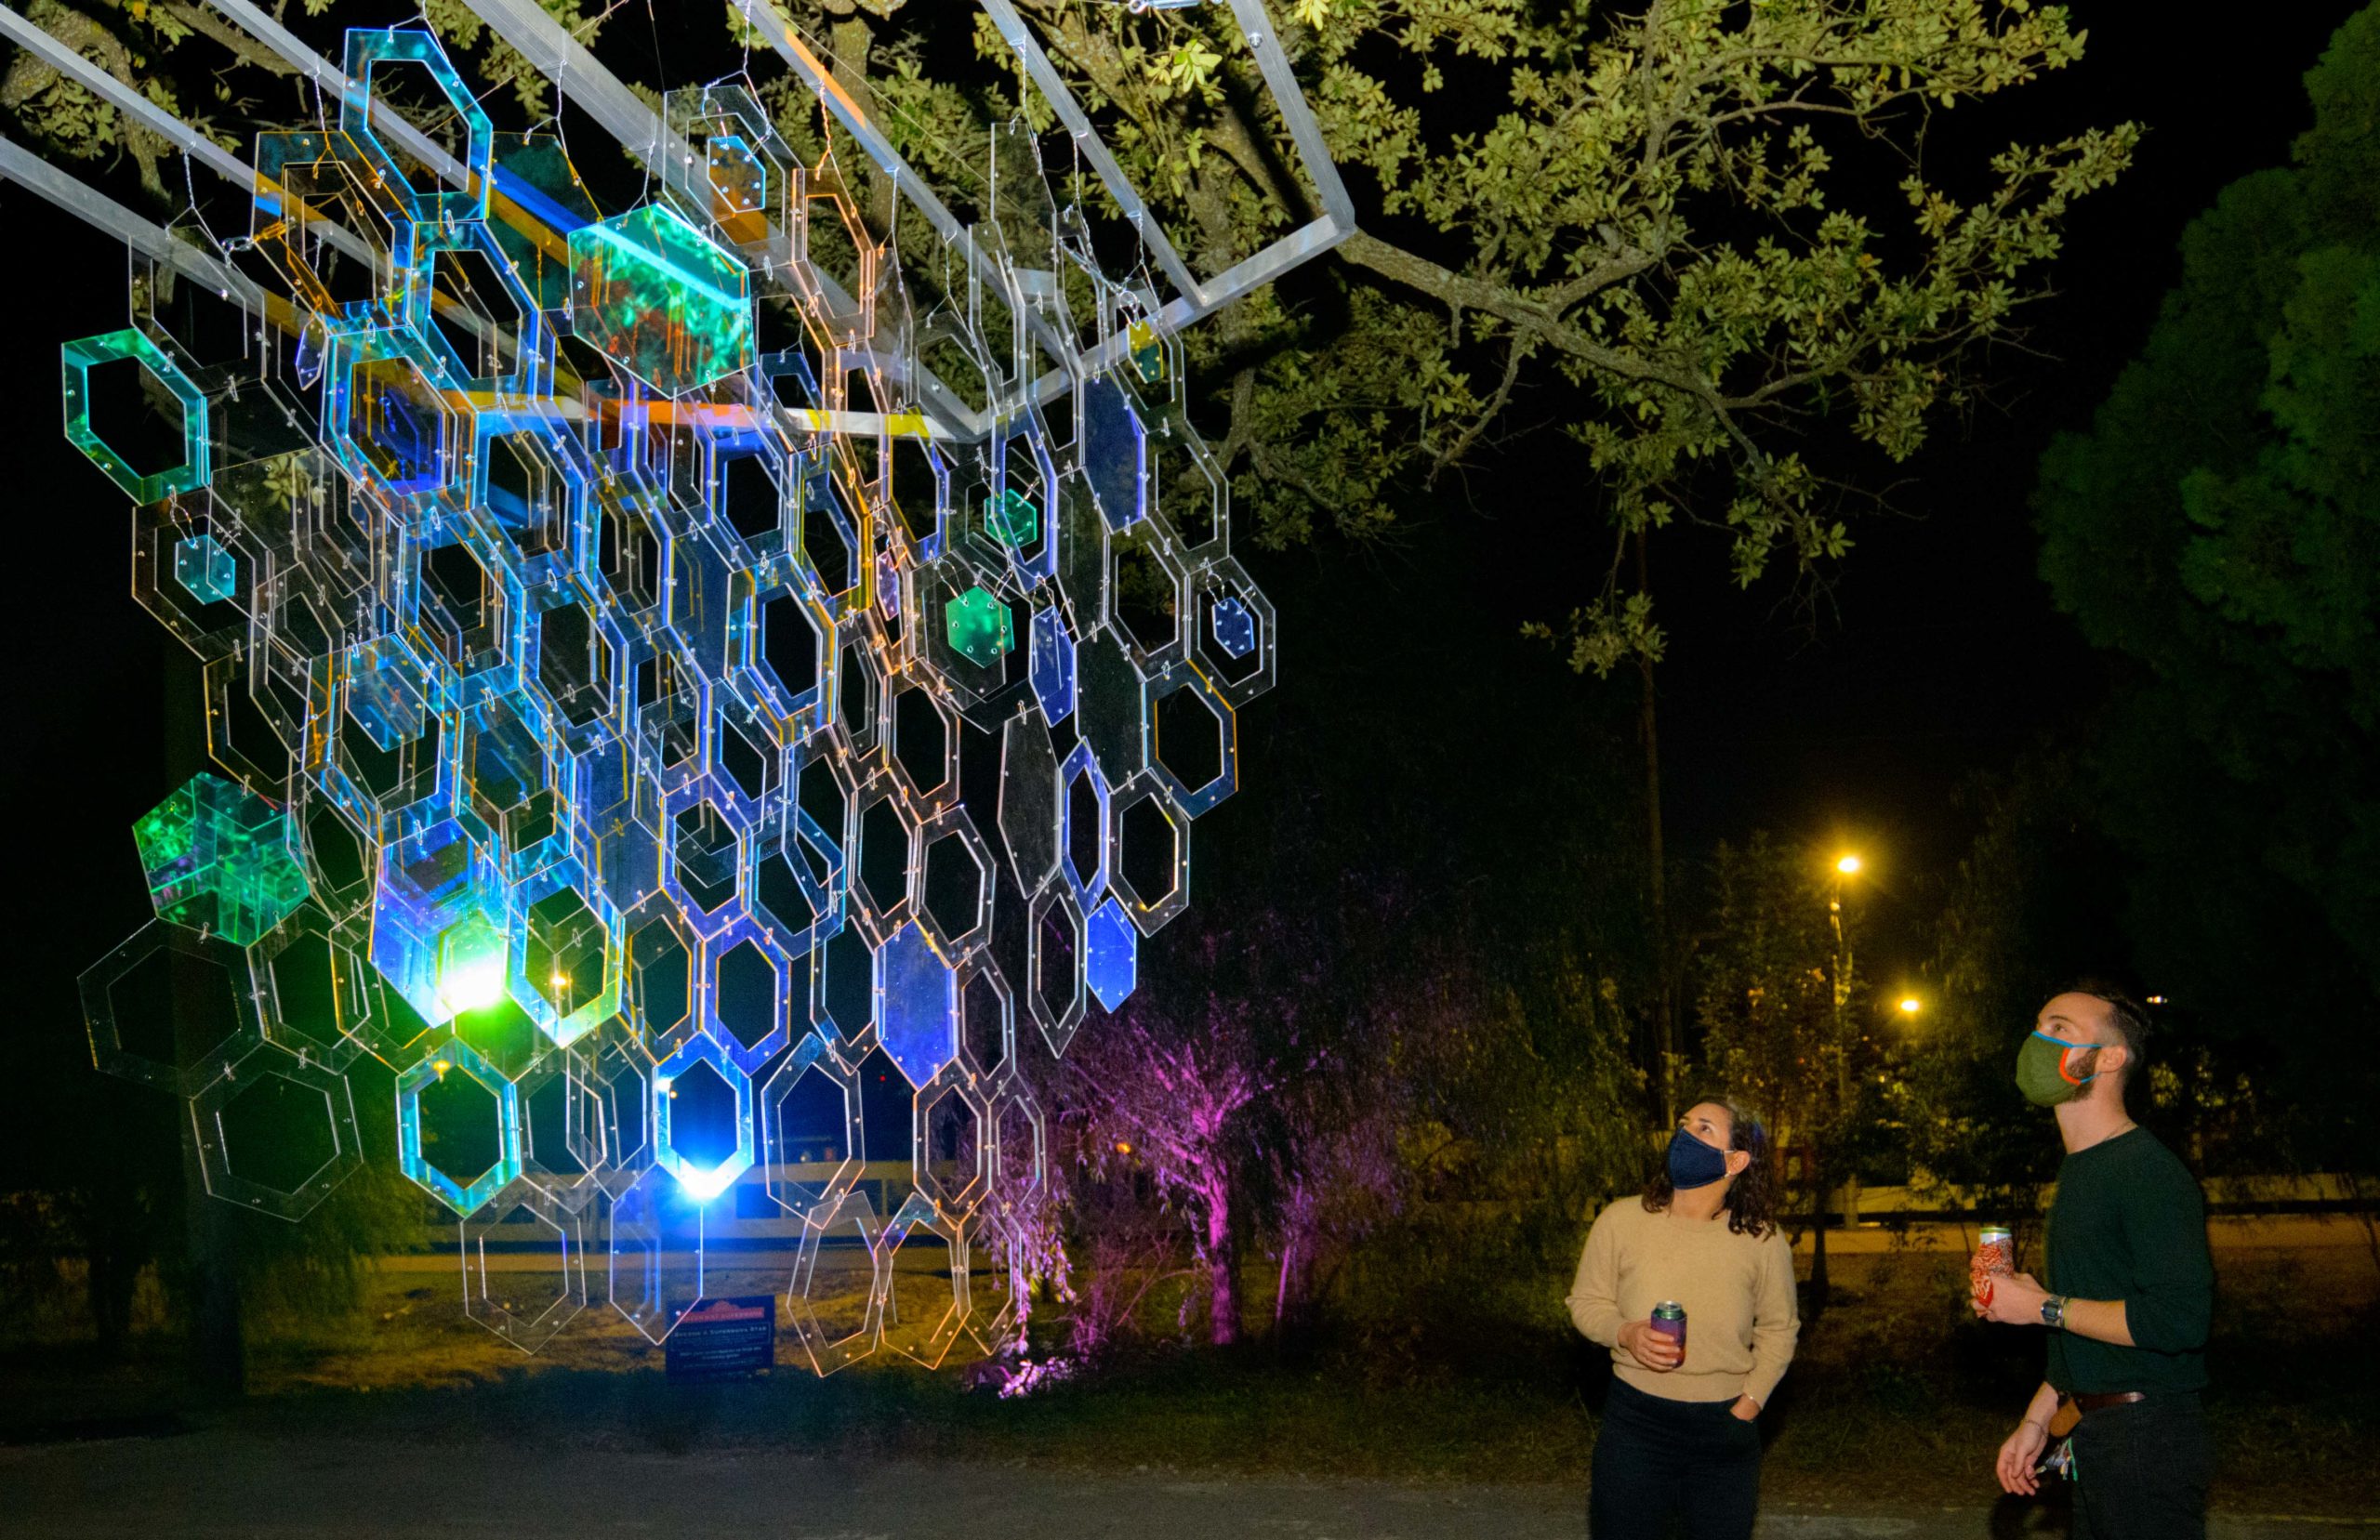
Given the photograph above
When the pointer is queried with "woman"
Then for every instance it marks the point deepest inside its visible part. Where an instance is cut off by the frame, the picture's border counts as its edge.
(1680, 1435)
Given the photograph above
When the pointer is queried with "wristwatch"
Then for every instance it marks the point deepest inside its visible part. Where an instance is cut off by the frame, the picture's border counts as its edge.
(2054, 1311)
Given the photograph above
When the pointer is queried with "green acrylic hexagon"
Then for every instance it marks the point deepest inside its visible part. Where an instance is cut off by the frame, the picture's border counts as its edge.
(76, 361)
(220, 859)
(1011, 518)
(660, 299)
(979, 628)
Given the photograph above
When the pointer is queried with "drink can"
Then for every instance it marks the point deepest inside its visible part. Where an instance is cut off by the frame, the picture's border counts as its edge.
(1669, 1317)
(1995, 1257)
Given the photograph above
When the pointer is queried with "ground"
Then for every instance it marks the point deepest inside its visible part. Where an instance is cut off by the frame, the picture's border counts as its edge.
(226, 1483)
(404, 1419)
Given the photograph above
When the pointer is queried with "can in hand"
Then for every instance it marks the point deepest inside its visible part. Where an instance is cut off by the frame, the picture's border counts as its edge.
(1995, 1257)
(1669, 1319)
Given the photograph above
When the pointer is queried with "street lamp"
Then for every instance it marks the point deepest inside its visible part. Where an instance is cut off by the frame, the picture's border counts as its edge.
(1910, 1005)
(1846, 864)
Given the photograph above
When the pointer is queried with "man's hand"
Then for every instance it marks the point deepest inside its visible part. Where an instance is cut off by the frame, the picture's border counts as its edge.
(2019, 1455)
(1745, 1409)
(1656, 1350)
(2015, 1300)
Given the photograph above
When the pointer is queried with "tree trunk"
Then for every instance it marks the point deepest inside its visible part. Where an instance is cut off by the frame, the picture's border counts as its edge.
(218, 1355)
(1820, 1287)
(1656, 860)
(219, 1360)
(111, 1278)
(1223, 1274)
(850, 42)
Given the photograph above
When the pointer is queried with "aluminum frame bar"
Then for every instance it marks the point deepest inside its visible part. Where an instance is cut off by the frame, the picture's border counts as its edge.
(151, 239)
(166, 126)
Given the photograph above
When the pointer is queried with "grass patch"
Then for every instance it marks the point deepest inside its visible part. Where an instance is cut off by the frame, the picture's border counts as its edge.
(1897, 1399)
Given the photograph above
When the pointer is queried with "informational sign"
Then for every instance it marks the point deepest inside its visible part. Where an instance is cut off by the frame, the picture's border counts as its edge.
(724, 1339)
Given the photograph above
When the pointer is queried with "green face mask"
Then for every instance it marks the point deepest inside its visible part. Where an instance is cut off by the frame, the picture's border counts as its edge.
(2045, 1069)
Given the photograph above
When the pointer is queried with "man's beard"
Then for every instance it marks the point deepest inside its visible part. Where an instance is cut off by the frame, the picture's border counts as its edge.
(2093, 1084)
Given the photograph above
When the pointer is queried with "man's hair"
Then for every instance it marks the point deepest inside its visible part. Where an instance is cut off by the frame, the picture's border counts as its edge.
(2131, 1018)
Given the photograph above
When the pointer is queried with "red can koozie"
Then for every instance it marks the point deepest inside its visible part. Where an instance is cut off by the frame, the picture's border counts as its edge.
(1995, 1257)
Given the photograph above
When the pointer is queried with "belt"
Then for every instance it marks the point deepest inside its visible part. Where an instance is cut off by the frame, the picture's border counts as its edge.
(2101, 1402)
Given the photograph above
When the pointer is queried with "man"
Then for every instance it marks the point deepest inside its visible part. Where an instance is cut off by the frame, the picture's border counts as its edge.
(2130, 1288)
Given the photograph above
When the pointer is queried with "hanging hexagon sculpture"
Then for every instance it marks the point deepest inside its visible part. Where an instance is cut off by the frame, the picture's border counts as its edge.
(597, 695)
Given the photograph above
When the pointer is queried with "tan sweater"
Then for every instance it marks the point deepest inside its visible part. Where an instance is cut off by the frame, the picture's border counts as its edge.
(1740, 1318)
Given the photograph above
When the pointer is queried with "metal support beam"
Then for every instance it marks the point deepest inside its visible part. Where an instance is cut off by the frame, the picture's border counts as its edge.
(105, 213)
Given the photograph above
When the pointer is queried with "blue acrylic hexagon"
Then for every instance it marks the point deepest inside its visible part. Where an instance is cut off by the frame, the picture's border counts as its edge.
(704, 1183)
(1235, 629)
(1115, 454)
(917, 1004)
(1111, 947)
(1051, 664)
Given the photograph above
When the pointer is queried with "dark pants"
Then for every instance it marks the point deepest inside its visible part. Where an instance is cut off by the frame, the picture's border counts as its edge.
(2140, 1470)
(1661, 1461)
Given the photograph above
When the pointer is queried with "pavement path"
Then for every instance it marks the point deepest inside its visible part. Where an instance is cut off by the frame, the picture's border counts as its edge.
(231, 1484)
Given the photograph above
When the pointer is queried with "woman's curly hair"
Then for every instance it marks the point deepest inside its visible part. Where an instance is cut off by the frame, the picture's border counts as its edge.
(1752, 1202)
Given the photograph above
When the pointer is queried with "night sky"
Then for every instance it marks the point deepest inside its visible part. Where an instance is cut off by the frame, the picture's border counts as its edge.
(1937, 655)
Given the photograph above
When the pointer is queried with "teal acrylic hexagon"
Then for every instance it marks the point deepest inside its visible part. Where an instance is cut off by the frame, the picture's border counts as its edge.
(77, 359)
(206, 569)
(660, 299)
(367, 47)
(220, 859)
(465, 1197)
(979, 628)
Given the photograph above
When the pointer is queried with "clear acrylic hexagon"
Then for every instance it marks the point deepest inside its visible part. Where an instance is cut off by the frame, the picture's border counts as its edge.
(171, 1008)
(926, 1296)
(813, 1128)
(524, 1266)
(655, 1252)
(836, 1299)
(275, 1133)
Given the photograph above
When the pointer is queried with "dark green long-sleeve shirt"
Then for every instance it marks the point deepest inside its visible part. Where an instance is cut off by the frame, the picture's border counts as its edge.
(2129, 1224)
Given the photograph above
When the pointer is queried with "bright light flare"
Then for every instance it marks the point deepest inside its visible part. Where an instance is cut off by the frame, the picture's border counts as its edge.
(1910, 1005)
(1847, 864)
(473, 967)
(705, 1185)
(471, 984)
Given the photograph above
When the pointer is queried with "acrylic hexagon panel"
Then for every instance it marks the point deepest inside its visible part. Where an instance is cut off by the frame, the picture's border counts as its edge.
(220, 859)
(591, 720)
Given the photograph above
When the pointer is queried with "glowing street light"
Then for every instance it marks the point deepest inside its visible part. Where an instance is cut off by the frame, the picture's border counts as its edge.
(1845, 865)
(1910, 1005)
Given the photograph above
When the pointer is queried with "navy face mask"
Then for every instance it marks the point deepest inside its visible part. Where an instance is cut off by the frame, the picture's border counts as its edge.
(1694, 1163)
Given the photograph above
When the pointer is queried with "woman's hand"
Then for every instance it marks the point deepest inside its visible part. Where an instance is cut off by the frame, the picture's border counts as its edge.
(1745, 1409)
(2018, 1455)
(1656, 1350)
